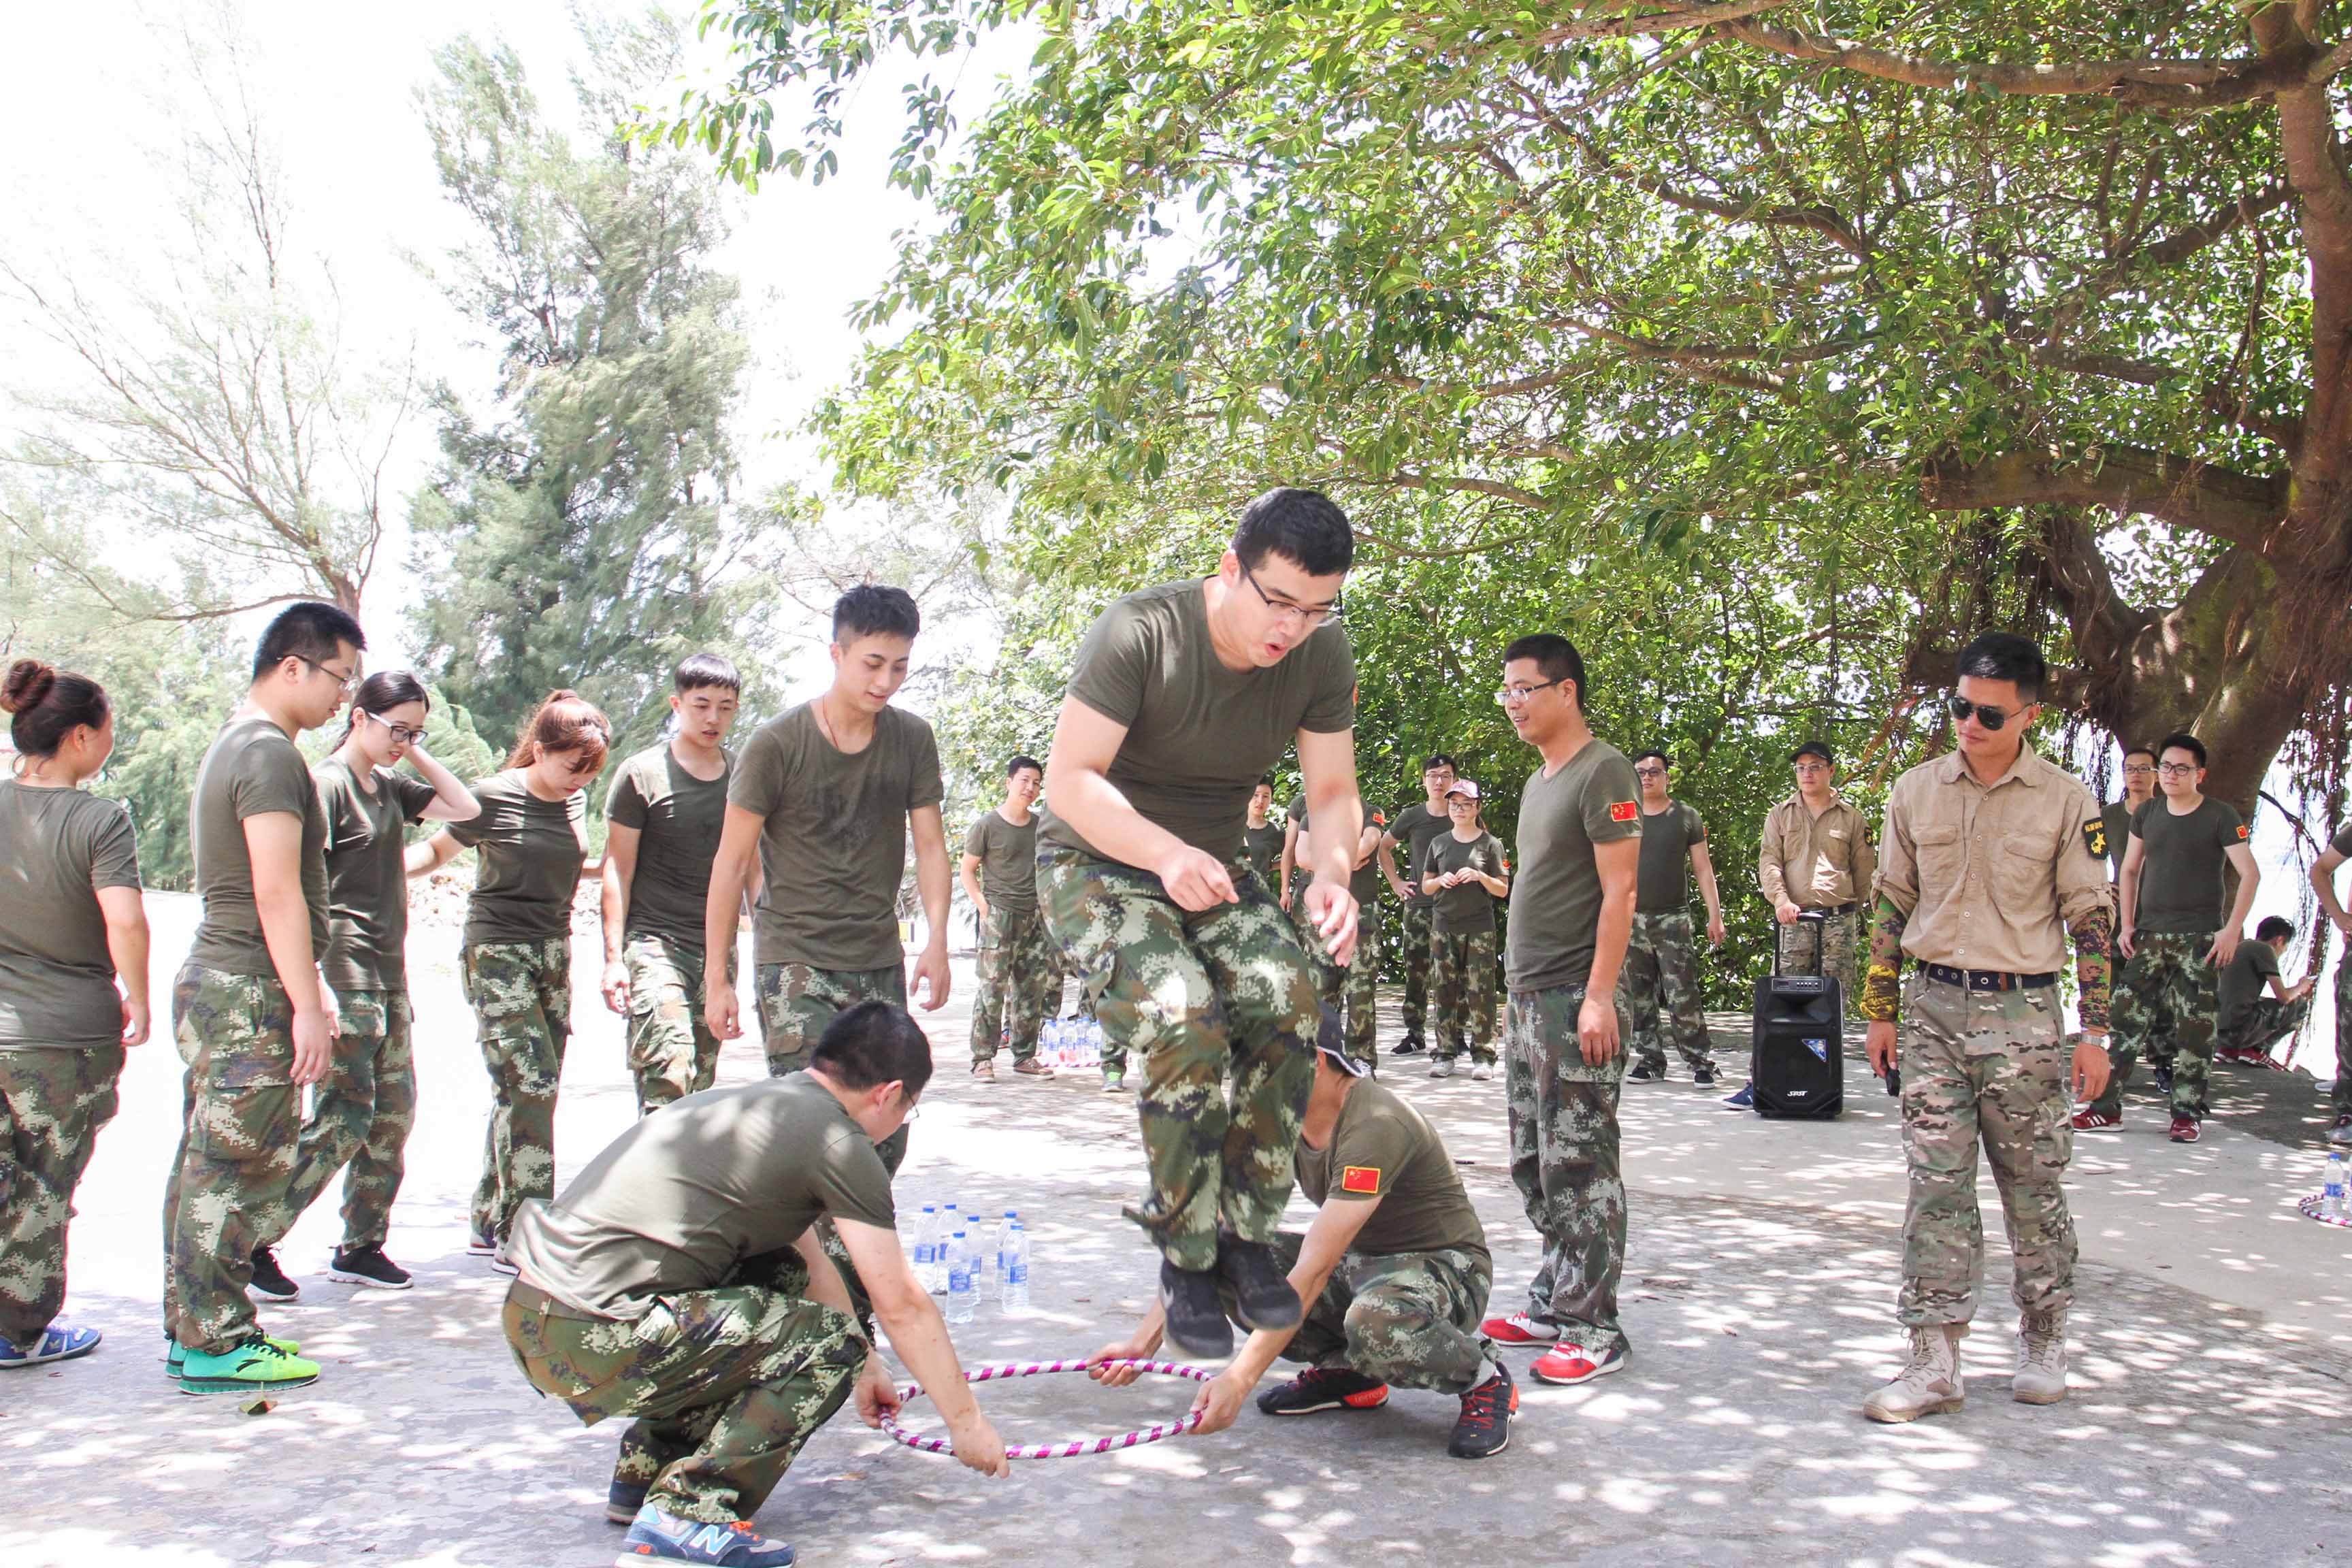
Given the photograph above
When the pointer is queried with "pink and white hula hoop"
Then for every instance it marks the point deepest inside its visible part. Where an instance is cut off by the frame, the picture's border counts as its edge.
(1056, 1450)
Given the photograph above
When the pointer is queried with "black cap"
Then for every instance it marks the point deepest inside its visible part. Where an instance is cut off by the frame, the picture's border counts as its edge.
(1813, 749)
(1331, 1039)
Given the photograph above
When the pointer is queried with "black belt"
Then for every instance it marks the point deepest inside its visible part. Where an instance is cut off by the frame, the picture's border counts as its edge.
(1831, 910)
(1989, 979)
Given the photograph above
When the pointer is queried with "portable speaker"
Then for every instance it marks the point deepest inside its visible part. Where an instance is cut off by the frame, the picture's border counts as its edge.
(1797, 1055)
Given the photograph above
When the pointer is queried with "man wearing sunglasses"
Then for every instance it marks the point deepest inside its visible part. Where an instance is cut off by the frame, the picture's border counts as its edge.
(1990, 861)
(1180, 698)
(2168, 1001)
(2114, 820)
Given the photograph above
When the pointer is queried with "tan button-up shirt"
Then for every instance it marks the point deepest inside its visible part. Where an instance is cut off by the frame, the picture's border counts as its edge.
(1815, 862)
(1990, 877)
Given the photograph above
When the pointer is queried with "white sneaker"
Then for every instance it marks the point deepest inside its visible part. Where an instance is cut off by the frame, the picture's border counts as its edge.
(1482, 1072)
(2041, 1376)
(1929, 1382)
(1442, 1067)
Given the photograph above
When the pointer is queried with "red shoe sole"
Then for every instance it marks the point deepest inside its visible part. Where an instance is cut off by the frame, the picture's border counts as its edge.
(1603, 1370)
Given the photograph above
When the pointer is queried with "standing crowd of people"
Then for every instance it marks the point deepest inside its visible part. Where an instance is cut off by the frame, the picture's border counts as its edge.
(719, 1275)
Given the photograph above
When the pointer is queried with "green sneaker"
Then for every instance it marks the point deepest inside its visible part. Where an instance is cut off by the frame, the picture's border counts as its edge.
(175, 1358)
(254, 1366)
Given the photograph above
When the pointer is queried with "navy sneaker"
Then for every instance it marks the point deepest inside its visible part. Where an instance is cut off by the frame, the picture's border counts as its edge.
(625, 1500)
(654, 1537)
(58, 1342)
(1745, 1100)
(2164, 1080)
(1703, 1077)
(1642, 1072)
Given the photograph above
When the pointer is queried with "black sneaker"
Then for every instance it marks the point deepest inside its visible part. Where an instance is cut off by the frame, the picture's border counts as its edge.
(1484, 1428)
(2164, 1080)
(623, 1499)
(1640, 1073)
(1411, 1047)
(1263, 1298)
(1703, 1077)
(1196, 1318)
(1320, 1388)
(269, 1281)
(367, 1265)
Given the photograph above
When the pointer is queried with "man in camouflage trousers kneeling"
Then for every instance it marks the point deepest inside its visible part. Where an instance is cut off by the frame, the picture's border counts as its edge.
(680, 1281)
(1993, 854)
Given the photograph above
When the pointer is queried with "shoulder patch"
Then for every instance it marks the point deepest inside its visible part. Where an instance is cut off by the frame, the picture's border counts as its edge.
(1363, 1179)
(1624, 811)
(2244, 830)
(2094, 838)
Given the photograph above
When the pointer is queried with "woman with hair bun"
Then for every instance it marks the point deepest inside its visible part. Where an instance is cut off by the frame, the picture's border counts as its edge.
(361, 1114)
(516, 960)
(71, 925)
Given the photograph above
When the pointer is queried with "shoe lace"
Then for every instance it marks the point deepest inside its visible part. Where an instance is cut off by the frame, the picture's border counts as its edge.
(1926, 1356)
(1482, 1403)
(2044, 1343)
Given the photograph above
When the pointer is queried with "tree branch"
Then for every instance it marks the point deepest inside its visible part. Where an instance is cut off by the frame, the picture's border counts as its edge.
(2244, 508)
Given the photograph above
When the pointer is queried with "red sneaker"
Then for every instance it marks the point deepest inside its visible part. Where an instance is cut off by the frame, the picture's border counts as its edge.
(2089, 1120)
(1518, 1328)
(2184, 1129)
(1570, 1364)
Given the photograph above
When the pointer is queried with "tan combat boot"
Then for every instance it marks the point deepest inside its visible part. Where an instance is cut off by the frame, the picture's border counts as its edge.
(2040, 1359)
(1929, 1382)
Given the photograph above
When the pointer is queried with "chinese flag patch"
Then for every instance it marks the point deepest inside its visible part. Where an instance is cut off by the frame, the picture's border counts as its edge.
(1624, 811)
(1364, 1179)
(2243, 830)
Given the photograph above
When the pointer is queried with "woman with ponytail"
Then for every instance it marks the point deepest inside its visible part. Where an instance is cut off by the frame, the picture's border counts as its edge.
(532, 838)
(361, 1114)
(71, 927)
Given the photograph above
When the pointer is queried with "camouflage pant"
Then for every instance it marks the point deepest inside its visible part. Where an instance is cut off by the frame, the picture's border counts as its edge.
(1410, 1320)
(521, 994)
(1205, 996)
(1984, 1067)
(672, 1052)
(240, 1126)
(52, 1103)
(1462, 972)
(2343, 1092)
(1352, 991)
(1662, 974)
(722, 1387)
(1795, 946)
(1564, 1161)
(1417, 962)
(1020, 977)
(2164, 1008)
(360, 1117)
(2267, 1022)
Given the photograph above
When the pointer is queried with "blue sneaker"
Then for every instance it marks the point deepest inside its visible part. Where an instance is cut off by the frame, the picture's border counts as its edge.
(1745, 1100)
(625, 1500)
(655, 1537)
(58, 1342)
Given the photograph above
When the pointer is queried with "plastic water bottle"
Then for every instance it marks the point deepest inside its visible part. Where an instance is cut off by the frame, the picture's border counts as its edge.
(2333, 1202)
(1015, 1269)
(1093, 1049)
(950, 1224)
(963, 1293)
(1005, 1228)
(926, 1244)
(1049, 1042)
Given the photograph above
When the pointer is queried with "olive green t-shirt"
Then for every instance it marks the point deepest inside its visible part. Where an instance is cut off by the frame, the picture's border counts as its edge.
(1384, 1148)
(530, 852)
(252, 770)
(1262, 848)
(367, 875)
(1198, 736)
(2114, 826)
(1466, 909)
(678, 818)
(832, 847)
(678, 1201)
(2180, 873)
(1008, 862)
(1412, 828)
(1556, 901)
(2245, 980)
(1363, 882)
(58, 847)
(1664, 887)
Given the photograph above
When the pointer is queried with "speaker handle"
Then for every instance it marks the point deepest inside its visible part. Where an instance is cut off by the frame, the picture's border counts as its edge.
(1817, 919)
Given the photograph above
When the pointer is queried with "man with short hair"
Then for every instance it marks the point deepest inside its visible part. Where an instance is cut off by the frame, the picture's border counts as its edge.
(2175, 937)
(2114, 817)
(1017, 963)
(2251, 1022)
(250, 1010)
(1580, 832)
(1395, 1264)
(1991, 861)
(1262, 838)
(1404, 844)
(1815, 857)
(1350, 989)
(1466, 874)
(662, 821)
(2322, 884)
(681, 1281)
(1661, 959)
(1180, 698)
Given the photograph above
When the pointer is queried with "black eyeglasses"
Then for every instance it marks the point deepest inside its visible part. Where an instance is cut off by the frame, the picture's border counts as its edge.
(2176, 770)
(400, 733)
(1990, 718)
(1308, 615)
(350, 683)
(1650, 773)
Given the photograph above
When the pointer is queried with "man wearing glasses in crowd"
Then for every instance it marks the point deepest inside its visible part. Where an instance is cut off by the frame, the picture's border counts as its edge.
(1180, 698)
(1815, 859)
(2114, 820)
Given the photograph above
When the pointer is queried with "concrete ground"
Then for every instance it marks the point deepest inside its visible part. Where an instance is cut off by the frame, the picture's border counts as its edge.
(2213, 1372)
